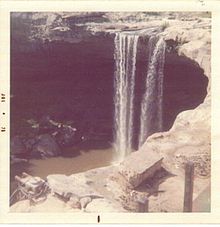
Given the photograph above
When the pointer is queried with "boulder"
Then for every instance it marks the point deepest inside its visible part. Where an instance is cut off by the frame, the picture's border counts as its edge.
(45, 146)
(139, 166)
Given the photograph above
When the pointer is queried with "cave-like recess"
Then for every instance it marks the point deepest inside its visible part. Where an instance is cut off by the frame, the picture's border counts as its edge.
(74, 81)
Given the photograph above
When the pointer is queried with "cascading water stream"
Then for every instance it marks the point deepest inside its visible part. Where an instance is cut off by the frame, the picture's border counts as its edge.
(125, 59)
(151, 119)
(151, 116)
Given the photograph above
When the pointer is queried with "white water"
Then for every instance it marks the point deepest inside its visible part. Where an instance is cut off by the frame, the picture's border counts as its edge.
(151, 119)
(125, 58)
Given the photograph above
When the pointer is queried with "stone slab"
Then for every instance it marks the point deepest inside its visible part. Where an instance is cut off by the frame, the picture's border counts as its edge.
(139, 166)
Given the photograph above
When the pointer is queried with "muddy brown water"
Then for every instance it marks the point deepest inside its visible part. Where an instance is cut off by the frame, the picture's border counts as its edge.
(62, 165)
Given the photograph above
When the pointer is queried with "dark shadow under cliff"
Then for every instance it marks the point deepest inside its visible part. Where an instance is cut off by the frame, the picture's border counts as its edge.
(74, 82)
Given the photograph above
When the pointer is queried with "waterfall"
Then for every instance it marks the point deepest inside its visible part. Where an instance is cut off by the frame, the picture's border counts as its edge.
(151, 116)
(151, 119)
(124, 82)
